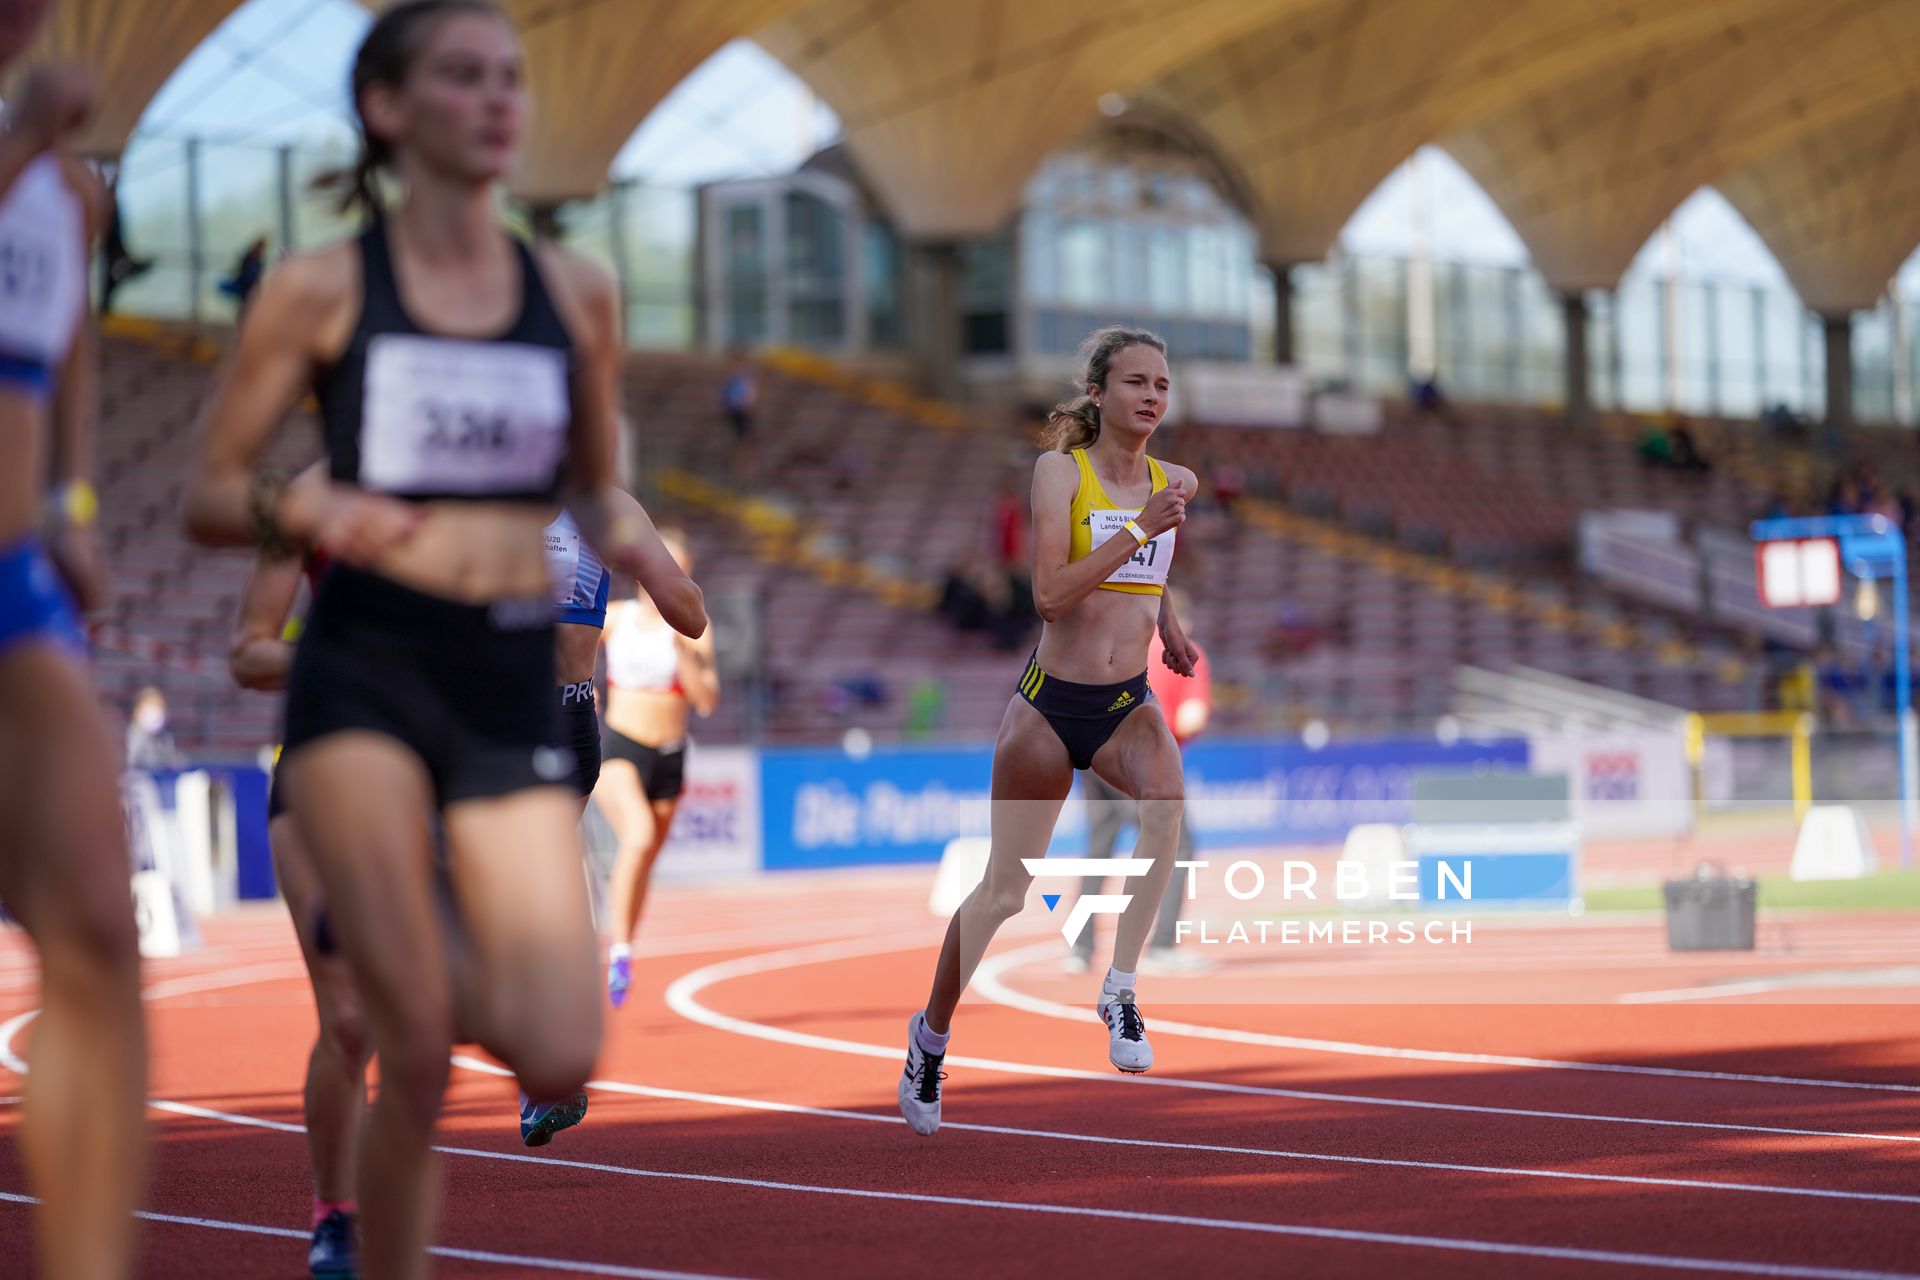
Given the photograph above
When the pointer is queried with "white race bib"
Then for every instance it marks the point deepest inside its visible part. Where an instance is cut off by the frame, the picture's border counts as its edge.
(443, 415)
(43, 264)
(563, 559)
(1150, 563)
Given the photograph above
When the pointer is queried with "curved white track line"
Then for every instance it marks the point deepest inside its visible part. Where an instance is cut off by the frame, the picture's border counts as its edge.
(987, 981)
(683, 998)
(1441, 1243)
(834, 1113)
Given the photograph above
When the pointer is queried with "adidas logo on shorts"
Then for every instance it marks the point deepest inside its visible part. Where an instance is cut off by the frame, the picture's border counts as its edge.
(1122, 702)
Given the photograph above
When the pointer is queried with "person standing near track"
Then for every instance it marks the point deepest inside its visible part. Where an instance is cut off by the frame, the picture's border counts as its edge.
(1104, 516)
(655, 676)
(467, 385)
(64, 871)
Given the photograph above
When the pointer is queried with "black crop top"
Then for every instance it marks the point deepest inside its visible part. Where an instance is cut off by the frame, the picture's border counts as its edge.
(422, 416)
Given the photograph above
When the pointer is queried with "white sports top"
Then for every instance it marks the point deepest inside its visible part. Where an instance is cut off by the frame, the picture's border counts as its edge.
(640, 656)
(43, 267)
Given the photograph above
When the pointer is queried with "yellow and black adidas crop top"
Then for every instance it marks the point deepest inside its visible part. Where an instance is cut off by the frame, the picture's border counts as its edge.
(1096, 518)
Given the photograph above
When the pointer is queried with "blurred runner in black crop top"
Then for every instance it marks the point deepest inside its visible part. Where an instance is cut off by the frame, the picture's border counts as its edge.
(468, 387)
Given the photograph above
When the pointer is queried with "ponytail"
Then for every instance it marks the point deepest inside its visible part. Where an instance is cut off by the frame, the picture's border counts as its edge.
(355, 187)
(1074, 424)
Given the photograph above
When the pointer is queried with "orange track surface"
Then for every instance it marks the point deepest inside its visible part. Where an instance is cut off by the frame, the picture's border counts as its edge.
(1303, 1118)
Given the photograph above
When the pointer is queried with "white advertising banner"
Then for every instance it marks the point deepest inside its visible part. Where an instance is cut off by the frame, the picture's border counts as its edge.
(1624, 786)
(1244, 395)
(716, 829)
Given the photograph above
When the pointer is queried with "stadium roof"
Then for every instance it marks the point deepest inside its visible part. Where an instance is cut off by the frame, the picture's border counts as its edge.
(1587, 121)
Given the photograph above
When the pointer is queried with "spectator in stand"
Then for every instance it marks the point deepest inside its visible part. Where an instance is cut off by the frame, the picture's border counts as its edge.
(961, 603)
(246, 276)
(1844, 498)
(149, 745)
(1656, 445)
(117, 263)
(1785, 424)
(1839, 689)
(1009, 527)
(1686, 454)
(1227, 482)
(739, 395)
(1875, 498)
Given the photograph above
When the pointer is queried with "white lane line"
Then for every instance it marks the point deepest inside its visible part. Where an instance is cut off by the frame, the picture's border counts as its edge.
(1443, 1243)
(987, 982)
(834, 1113)
(683, 998)
(532, 1262)
(1802, 980)
(1711, 992)
(223, 979)
(1352, 1236)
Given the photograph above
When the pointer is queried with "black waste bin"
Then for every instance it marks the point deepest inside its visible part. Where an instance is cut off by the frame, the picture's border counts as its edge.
(1710, 911)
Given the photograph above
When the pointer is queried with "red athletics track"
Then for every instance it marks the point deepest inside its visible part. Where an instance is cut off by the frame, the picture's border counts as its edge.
(1307, 1116)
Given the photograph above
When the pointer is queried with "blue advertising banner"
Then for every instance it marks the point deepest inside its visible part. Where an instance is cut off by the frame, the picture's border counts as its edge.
(824, 808)
(1258, 793)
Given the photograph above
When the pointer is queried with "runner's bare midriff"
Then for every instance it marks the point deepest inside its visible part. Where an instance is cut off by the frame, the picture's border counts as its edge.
(1101, 640)
(474, 552)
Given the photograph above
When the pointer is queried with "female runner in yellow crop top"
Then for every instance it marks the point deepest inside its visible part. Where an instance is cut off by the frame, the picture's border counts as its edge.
(1104, 519)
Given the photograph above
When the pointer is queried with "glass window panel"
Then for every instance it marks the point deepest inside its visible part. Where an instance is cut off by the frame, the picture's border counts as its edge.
(745, 253)
(1040, 257)
(1380, 297)
(657, 227)
(1734, 335)
(886, 326)
(1782, 321)
(1693, 325)
(154, 221)
(1084, 262)
(1543, 342)
(1319, 309)
(1637, 304)
(1873, 364)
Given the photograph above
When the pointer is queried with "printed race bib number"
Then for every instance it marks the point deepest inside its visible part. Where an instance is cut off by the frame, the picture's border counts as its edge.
(43, 268)
(26, 272)
(447, 416)
(1148, 567)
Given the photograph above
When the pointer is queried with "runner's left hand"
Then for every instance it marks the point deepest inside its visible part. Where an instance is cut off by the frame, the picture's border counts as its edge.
(1179, 653)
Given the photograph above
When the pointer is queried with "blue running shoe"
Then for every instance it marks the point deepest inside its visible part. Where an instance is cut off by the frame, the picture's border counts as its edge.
(619, 978)
(335, 1247)
(539, 1121)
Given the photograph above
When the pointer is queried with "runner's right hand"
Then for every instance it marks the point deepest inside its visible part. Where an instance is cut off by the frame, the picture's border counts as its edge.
(1165, 510)
(348, 524)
